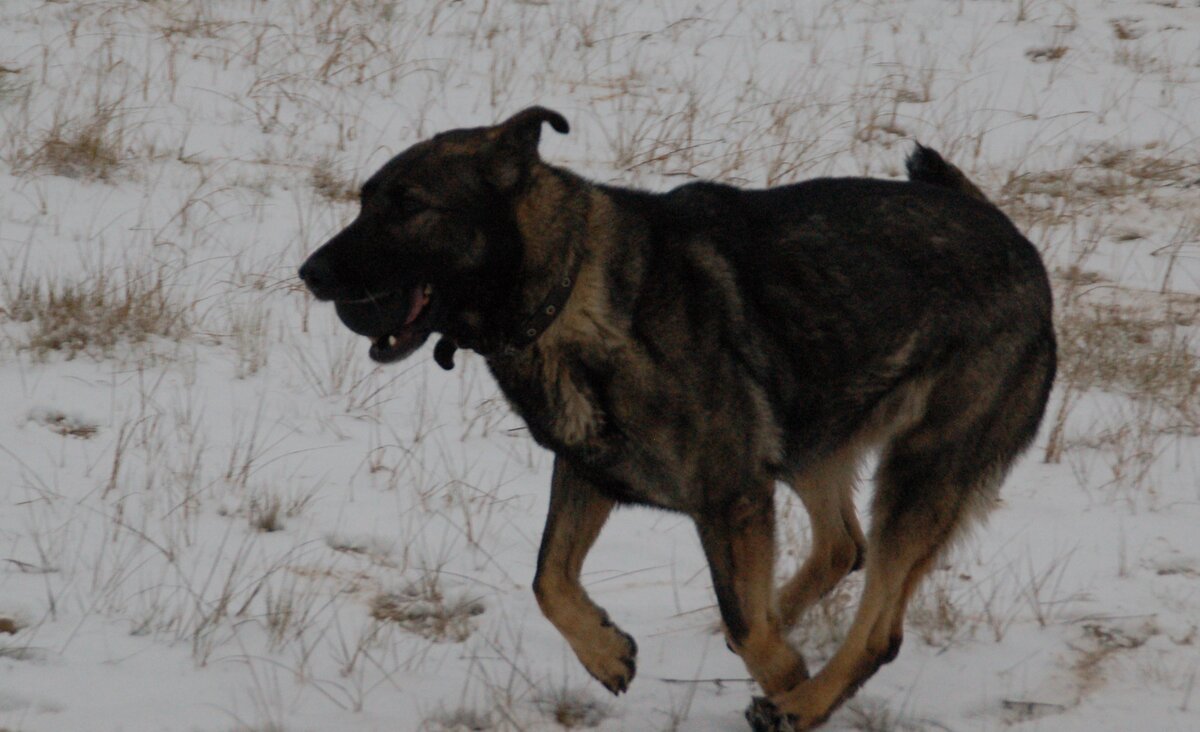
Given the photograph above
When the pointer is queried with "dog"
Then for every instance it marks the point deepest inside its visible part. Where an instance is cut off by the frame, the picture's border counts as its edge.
(687, 350)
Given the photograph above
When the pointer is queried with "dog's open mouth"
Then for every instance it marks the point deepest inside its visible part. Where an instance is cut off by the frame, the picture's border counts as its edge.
(409, 337)
(397, 323)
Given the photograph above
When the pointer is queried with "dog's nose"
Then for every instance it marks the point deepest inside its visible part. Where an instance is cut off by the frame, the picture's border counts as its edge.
(317, 275)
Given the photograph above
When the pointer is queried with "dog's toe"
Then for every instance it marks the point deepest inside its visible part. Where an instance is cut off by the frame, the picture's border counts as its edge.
(616, 665)
(617, 680)
(764, 716)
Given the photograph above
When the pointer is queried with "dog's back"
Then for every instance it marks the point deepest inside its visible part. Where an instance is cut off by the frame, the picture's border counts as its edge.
(841, 291)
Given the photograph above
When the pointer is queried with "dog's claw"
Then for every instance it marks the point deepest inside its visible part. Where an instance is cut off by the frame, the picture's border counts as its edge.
(630, 671)
(764, 716)
(616, 678)
(620, 684)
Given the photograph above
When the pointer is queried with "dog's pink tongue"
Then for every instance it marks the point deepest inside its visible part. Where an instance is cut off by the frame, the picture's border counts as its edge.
(419, 300)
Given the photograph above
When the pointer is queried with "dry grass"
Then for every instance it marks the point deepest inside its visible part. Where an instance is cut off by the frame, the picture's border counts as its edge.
(1102, 173)
(250, 331)
(572, 708)
(1126, 29)
(1145, 353)
(64, 424)
(424, 609)
(90, 146)
(1145, 164)
(11, 86)
(1099, 645)
(824, 626)
(936, 614)
(1116, 349)
(458, 720)
(1047, 53)
(332, 184)
(266, 514)
(92, 316)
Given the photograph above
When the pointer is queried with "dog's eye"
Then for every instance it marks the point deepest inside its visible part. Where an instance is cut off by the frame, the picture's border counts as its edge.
(407, 205)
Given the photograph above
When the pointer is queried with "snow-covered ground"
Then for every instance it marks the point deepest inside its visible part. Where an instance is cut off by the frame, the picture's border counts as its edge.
(217, 514)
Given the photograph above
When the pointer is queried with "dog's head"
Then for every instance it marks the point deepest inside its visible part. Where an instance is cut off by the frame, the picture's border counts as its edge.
(434, 246)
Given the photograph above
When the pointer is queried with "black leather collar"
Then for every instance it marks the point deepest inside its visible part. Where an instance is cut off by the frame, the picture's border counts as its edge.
(541, 318)
(530, 328)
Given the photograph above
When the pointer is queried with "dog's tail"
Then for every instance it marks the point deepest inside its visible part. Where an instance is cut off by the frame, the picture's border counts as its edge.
(925, 165)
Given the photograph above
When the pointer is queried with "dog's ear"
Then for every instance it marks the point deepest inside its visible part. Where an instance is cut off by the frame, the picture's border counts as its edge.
(516, 142)
(523, 130)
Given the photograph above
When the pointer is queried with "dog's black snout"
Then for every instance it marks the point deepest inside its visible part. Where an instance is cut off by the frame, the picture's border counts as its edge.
(317, 275)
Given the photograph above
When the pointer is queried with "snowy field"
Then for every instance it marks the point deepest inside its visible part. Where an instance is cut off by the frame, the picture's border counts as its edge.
(217, 514)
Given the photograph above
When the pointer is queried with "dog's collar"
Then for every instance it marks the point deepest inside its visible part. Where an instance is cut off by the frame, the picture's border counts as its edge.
(533, 326)
(541, 318)
(530, 328)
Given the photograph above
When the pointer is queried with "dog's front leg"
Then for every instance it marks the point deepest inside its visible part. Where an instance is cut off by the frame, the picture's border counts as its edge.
(577, 512)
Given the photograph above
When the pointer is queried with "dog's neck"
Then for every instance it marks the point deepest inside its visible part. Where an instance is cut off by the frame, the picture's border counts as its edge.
(545, 312)
(550, 217)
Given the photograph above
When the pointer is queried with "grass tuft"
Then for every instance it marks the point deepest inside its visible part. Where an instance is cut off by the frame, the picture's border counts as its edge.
(1047, 53)
(92, 316)
(331, 184)
(11, 87)
(89, 147)
(459, 720)
(64, 424)
(422, 608)
(572, 708)
(1114, 349)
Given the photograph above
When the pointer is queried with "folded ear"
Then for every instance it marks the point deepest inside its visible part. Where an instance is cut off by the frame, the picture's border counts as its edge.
(516, 142)
(524, 129)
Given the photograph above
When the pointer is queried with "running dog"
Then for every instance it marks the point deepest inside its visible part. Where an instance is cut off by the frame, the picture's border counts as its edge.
(688, 350)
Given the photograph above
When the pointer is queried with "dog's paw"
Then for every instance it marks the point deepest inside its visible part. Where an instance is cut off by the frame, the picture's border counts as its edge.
(611, 657)
(764, 716)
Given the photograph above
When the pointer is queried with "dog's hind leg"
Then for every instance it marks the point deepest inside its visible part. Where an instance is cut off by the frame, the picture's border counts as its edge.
(917, 508)
(577, 512)
(838, 545)
(739, 544)
(904, 543)
(932, 479)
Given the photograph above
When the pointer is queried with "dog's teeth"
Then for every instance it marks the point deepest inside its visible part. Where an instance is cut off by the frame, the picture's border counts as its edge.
(428, 290)
(392, 341)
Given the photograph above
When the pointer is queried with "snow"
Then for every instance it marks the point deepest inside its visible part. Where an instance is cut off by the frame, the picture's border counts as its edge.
(202, 525)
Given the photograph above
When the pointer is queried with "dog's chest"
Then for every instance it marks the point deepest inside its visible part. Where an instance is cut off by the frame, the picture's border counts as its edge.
(573, 396)
(607, 416)
(559, 398)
